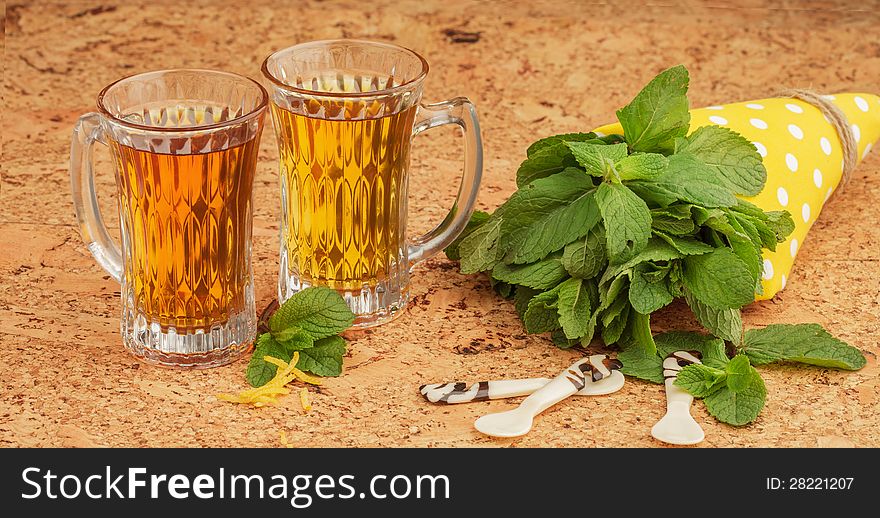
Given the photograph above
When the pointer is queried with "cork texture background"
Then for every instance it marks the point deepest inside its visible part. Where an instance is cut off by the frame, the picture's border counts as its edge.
(533, 69)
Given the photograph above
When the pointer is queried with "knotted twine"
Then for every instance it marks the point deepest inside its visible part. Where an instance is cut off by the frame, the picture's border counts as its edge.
(838, 119)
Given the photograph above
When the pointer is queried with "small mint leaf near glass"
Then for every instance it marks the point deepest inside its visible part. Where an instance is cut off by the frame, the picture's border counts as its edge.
(308, 323)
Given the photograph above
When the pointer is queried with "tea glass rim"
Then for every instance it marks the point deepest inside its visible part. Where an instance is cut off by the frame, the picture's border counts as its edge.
(403, 87)
(261, 105)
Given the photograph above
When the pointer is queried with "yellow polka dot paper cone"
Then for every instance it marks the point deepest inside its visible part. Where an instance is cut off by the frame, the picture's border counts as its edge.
(803, 156)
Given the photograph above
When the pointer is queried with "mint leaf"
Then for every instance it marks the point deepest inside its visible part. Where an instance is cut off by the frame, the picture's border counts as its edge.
(543, 274)
(325, 358)
(748, 251)
(478, 251)
(502, 288)
(547, 214)
(656, 250)
(659, 113)
(639, 327)
(575, 302)
(541, 315)
(319, 311)
(686, 245)
(781, 224)
(546, 142)
(294, 338)
(597, 159)
(711, 348)
(477, 219)
(560, 340)
(546, 162)
(803, 343)
(718, 279)
(521, 298)
(700, 380)
(653, 194)
(549, 156)
(717, 220)
(730, 154)
(641, 166)
(688, 179)
(585, 257)
(259, 372)
(640, 359)
(673, 220)
(647, 295)
(725, 323)
(627, 221)
(612, 331)
(738, 408)
(739, 372)
(296, 341)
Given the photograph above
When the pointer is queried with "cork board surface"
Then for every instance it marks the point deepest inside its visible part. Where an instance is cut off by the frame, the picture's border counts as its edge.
(533, 68)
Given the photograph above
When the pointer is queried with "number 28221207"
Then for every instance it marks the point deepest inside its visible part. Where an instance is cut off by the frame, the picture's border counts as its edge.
(826, 483)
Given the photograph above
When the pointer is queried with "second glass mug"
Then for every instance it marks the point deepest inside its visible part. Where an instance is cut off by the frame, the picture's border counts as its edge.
(345, 112)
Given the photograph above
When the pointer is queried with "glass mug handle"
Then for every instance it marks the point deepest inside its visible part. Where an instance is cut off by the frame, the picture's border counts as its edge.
(461, 112)
(85, 202)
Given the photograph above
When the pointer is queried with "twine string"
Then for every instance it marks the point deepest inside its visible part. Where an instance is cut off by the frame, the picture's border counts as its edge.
(837, 119)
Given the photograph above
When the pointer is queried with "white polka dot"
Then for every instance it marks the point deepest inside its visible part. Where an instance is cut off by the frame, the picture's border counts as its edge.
(867, 150)
(761, 149)
(782, 287)
(829, 97)
(599, 133)
(796, 132)
(857, 133)
(782, 196)
(794, 108)
(861, 103)
(805, 212)
(826, 145)
(758, 123)
(791, 161)
(718, 120)
(828, 194)
(715, 107)
(794, 247)
(768, 270)
(817, 177)
(755, 106)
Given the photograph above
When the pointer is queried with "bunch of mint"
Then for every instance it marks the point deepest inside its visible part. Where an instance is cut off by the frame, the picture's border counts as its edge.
(605, 230)
(308, 322)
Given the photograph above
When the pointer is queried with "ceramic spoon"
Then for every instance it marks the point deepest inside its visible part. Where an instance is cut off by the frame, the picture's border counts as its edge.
(518, 421)
(678, 426)
(459, 392)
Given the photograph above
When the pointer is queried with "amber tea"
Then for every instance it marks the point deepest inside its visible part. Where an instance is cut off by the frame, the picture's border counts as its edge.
(345, 183)
(184, 144)
(345, 112)
(186, 222)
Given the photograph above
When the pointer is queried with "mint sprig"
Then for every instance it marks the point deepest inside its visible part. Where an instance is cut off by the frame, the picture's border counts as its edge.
(605, 230)
(309, 323)
(801, 343)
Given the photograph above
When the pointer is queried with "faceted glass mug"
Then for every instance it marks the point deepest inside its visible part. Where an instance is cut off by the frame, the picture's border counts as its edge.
(345, 112)
(185, 145)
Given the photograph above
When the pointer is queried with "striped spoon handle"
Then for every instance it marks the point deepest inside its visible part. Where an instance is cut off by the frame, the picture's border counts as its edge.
(602, 380)
(460, 392)
(517, 422)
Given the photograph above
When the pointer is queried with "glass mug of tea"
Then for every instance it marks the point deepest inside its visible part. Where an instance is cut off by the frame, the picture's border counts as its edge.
(185, 145)
(345, 112)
